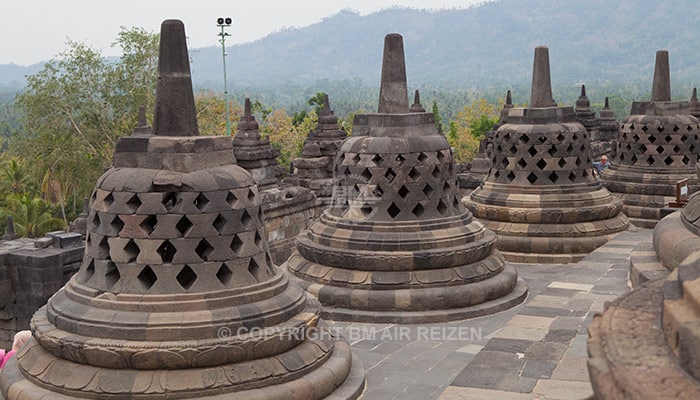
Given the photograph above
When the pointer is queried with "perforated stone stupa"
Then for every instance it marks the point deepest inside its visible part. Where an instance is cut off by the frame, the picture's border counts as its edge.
(254, 153)
(396, 244)
(314, 169)
(657, 145)
(645, 345)
(603, 138)
(176, 296)
(540, 195)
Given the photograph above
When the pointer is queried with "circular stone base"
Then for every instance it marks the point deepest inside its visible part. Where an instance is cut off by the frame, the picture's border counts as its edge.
(628, 354)
(645, 265)
(512, 299)
(542, 258)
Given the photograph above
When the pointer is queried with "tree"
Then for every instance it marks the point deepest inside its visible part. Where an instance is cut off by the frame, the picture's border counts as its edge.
(469, 127)
(78, 105)
(31, 215)
(14, 177)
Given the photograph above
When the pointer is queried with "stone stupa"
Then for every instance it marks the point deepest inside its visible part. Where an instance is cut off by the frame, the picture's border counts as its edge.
(657, 145)
(396, 245)
(540, 195)
(314, 169)
(176, 297)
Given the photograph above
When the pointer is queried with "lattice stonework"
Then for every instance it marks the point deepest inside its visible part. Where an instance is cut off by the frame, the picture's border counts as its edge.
(203, 237)
(656, 145)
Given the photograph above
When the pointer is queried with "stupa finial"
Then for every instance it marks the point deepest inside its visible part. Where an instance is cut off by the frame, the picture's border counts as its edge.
(393, 93)
(661, 88)
(175, 114)
(417, 106)
(541, 91)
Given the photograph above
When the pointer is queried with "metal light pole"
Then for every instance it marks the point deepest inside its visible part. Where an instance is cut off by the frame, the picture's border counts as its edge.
(223, 23)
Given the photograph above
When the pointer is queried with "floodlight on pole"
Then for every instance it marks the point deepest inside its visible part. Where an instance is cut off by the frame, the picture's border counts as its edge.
(222, 23)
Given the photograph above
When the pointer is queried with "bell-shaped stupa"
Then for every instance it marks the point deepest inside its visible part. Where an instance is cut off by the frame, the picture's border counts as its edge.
(540, 195)
(657, 146)
(645, 345)
(396, 244)
(176, 297)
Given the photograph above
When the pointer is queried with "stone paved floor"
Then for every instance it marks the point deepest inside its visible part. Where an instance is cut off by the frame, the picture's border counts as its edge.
(536, 350)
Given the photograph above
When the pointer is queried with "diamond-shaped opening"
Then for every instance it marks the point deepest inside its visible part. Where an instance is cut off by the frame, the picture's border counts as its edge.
(575, 137)
(418, 210)
(88, 272)
(251, 195)
(224, 274)
(660, 128)
(436, 172)
(149, 224)
(668, 138)
(204, 250)
(246, 219)
(103, 246)
(504, 163)
(441, 156)
(109, 200)
(393, 210)
(692, 148)
(676, 128)
(561, 163)
(446, 187)
(442, 207)
(542, 139)
(231, 199)
(652, 138)
(660, 149)
(522, 163)
(169, 200)
(676, 149)
(650, 160)
(497, 174)
(622, 157)
(377, 159)
(219, 223)
(257, 239)
(366, 175)
(428, 190)
(569, 148)
(541, 164)
(685, 160)
(403, 192)
(400, 158)
(112, 275)
(390, 175)
(422, 157)
(553, 177)
(254, 269)
(561, 137)
(510, 176)
(147, 278)
(455, 202)
(572, 176)
(166, 251)
(552, 150)
(201, 201)
(117, 224)
(578, 162)
(532, 151)
(689, 128)
(366, 210)
(341, 157)
(644, 128)
(377, 192)
(356, 158)
(236, 244)
(183, 225)
(134, 203)
(642, 149)
(96, 221)
(532, 177)
(131, 250)
(684, 138)
(631, 127)
(634, 159)
(414, 174)
(635, 137)
(513, 150)
(668, 160)
(186, 277)
(523, 138)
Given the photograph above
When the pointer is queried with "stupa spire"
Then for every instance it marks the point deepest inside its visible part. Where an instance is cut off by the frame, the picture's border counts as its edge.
(661, 88)
(175, 114)
(393, 92)
(541, 91)
(417, 106)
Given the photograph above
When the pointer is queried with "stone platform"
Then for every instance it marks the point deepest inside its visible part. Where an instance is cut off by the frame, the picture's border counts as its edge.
(536, 350)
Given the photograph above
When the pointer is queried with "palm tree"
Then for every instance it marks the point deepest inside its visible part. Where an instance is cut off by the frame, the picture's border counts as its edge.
(32, 216)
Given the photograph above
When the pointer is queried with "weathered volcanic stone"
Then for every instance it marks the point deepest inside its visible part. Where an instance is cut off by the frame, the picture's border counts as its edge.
(645, 345)
(603, 137)
(657, 145)
(255, 154)
(314, 169)
(540, 195)
(396, 244)
(584, 114)
(176, 296)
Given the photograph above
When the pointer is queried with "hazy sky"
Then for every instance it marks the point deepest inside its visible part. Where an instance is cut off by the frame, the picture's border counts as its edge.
(36, 30)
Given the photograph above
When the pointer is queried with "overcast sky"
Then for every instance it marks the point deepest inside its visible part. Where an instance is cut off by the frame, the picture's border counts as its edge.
(36, 30)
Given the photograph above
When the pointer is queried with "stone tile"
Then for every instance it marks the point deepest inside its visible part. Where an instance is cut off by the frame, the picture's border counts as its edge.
(571, 368)
(497, 360)
(538, 369)
(514, 383)
(511, 332)
(529, 321)
(573, 286)
(548, 301)
(562, 390)
(467, 393)
(546, 351)
(479, 377)
(508, 345)
(470, 348)
(544, 311)
(573, 323)
(560, 335)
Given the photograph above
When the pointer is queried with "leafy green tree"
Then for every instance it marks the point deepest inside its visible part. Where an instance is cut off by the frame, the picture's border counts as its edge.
(436, 115)
(14, 177)
(31, 215)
